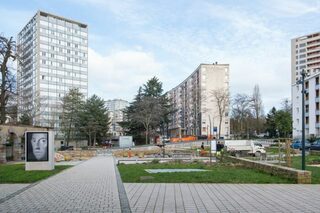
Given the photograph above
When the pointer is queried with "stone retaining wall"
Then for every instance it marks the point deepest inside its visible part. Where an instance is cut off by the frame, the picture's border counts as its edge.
(297, 175)
(77, 154)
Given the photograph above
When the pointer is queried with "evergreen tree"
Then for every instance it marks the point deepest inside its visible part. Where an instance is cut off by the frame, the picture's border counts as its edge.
(71, 107)
(25, 119)
(94, 119)
(271, 126)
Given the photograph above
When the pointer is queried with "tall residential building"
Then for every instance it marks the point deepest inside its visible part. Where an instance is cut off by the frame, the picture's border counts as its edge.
(197, 110)
(305, 54)
(115, 108)
(54, 59)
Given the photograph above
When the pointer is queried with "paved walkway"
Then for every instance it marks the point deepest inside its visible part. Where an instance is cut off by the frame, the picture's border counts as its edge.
(88, 187)
(223, 197)
(93, 186)
(8, 189)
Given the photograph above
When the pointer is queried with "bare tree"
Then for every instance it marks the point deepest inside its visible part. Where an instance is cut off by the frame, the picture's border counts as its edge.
(7, 53)
(221, 99)
(148, 112)
(241, 110)
(257, 107)
(286, 105)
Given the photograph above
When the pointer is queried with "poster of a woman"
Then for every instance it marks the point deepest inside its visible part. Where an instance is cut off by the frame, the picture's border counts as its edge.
(37, 146)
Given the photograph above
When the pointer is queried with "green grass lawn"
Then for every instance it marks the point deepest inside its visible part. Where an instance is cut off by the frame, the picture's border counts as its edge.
(296, 163)
(219, 173)
(273, 150)
(15, 173)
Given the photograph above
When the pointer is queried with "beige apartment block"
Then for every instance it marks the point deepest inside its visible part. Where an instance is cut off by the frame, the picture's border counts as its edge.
(197, 111)
(305, 54)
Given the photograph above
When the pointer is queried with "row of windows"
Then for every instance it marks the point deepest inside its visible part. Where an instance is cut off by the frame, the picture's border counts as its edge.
(61, 48)
(62, 65)
(75, 69)
(74, 42)
(63, 80)
(58, 23)
(64, 74)
(61, 57)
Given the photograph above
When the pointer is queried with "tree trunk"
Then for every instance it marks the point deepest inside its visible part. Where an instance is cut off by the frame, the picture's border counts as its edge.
(147, 133)
(3, 90)
(94, 139)
(89, 142)
(220, 121)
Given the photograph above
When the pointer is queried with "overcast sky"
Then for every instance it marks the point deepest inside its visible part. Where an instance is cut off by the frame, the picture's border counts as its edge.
(132, 41)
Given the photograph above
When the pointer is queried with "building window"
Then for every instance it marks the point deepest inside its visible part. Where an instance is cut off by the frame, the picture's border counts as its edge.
(307, 96)
(42, 77)
(317, 93)
(68, 58)
(317, 106)
(307, 108)
(317, 118)
(43, 61)
(307, 120)
(68, 44)
(317, 80)
(76, 45)
(307, 84)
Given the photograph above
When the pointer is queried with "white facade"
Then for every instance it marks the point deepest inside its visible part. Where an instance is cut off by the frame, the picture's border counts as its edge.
(196, 108)
(115, 108)
(305, 54)
(54, 59)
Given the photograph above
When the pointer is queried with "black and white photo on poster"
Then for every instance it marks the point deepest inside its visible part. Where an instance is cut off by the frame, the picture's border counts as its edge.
(37, 146)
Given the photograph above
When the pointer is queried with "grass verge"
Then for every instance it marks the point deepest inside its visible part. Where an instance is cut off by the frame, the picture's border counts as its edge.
(15, 173)
(219, 173)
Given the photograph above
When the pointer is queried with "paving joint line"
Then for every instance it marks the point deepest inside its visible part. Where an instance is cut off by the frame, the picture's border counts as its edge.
(2, 200)
(124, 202)
(12, 195)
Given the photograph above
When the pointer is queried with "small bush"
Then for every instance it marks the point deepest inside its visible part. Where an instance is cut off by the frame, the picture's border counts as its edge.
(155, 161)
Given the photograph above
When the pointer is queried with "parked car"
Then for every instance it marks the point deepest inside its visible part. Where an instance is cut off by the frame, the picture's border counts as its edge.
(298, 145)
(315, 145)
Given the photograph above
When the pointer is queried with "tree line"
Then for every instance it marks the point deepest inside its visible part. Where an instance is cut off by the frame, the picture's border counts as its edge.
(248, 118)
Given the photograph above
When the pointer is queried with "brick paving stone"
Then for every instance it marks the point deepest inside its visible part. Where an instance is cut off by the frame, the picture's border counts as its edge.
(223, 197)
(8, 189)
(88, 187)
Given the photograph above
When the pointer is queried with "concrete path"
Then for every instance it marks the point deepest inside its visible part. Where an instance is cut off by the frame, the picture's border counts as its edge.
(223, 197)
(88, 187)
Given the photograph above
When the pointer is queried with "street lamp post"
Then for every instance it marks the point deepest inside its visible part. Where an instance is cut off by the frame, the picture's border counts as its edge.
(210, 141)
(301, 81)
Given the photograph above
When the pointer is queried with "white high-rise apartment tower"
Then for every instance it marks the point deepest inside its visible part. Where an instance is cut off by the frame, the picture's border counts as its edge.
(197, 111)
(54, 59)
(115, 108)
(305, 54)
